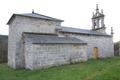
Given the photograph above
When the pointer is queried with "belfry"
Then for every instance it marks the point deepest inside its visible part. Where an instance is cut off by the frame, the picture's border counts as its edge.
(98, 20)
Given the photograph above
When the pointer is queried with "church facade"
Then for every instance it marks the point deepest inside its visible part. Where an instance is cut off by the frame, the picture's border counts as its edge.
(37, 41)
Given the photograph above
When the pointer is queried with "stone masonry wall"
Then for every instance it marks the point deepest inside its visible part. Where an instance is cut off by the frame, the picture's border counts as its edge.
(103, 43)
(39, 56)
(16, 50)
(16, 28)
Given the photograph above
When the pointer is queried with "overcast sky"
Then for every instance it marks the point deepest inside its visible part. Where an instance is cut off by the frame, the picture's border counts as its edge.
(75, 13)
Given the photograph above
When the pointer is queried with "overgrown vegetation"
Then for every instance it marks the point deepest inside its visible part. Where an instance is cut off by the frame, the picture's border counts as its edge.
(117, 48)
(102, 69)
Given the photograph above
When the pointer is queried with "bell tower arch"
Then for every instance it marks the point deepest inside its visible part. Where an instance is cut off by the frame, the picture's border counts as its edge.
(98, 21)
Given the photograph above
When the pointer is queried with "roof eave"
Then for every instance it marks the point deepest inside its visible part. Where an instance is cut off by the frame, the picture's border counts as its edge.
(85, 33)
(41, 18)
(62, 43)
(12, 17)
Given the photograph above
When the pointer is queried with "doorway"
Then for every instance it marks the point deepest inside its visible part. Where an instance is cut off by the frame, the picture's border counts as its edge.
(95, 53)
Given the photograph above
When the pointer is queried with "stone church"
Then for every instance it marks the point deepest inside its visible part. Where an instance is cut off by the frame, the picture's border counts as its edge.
(37, 41)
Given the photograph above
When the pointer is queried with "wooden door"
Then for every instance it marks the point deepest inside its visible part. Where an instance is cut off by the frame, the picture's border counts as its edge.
(95, 53)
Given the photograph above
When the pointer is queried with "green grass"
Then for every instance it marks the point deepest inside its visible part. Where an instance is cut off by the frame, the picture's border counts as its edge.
(102, 69)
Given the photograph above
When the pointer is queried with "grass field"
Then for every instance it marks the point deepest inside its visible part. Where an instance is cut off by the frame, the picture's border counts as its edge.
(102, 69)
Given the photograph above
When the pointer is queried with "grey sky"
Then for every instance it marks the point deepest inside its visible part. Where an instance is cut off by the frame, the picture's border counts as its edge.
(75, 13)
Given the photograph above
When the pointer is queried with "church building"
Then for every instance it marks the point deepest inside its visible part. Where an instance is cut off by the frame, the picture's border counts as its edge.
(37, 41)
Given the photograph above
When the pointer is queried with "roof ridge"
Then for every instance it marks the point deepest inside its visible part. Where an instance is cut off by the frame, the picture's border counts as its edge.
(34, 15)
(75, 28)
(82, 31)
(40, 15)
(44, 15)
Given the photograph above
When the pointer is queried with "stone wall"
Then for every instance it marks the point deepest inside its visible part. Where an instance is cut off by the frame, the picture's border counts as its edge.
(103, 43)
(39, 56)
(20, 55)
(16, 28)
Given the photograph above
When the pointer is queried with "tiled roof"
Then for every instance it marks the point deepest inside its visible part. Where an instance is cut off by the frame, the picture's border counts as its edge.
(50, 39)
(81, 31)
(35, 15)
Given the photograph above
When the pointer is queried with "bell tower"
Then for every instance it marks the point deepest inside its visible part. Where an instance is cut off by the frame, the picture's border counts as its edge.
(98, 21)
